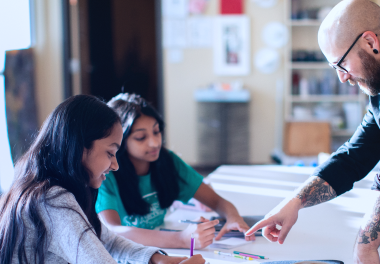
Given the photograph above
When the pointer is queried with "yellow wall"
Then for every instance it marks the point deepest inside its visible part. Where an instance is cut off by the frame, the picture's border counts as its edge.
(196, 69)
(47, 31)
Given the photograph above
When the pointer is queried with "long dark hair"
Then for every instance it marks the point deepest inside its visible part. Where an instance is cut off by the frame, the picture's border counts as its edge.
(164, 176)
(54, 159)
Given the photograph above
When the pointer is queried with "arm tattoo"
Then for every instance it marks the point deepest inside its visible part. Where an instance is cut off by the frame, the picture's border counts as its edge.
(372, 227)
(315, 192)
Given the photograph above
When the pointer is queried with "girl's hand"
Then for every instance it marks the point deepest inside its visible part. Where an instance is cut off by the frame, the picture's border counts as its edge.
(235, 223)
(163, 259)
(196, 259)
(158, 258)
(203, 233)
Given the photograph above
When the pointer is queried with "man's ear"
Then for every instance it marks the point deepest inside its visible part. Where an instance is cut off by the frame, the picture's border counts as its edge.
(371, 41)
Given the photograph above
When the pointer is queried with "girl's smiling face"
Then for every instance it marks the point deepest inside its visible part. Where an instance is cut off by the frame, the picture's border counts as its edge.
(145, 141)
(101, 158)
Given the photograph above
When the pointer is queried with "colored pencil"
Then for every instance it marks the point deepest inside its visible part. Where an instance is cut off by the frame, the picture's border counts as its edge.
(249, 255)
(192, 245)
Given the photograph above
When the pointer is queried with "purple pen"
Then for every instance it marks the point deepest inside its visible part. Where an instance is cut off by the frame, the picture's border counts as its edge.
(192, 245)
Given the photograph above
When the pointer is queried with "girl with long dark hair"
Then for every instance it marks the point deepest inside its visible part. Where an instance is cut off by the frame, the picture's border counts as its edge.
(134, 200)
(48, 215)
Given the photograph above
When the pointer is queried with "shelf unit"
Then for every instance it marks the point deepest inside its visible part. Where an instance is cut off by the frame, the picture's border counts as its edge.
(304, 22)
(303, 36)
(323, 98)
(309, 65)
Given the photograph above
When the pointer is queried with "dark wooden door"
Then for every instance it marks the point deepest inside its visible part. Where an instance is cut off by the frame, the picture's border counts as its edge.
(120, 43)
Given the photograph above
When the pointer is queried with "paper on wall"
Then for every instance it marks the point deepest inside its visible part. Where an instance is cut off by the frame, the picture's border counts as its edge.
(199, 32)
(175, 8)
(174, 33)
(175, 55)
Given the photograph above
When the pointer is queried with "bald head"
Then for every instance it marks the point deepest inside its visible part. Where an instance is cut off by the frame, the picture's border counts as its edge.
(346, 21)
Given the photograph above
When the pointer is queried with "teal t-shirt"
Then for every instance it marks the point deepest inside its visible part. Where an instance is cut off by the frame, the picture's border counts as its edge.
(109, 197)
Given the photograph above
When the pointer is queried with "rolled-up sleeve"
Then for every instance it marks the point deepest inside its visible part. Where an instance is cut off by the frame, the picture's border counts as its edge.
(357, 157)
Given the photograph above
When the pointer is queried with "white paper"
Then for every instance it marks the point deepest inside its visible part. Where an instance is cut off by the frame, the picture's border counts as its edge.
(229, 243)
(265, 3)
(199, 32)
(175, 55)
(174, 33)
(267, 60)
(175, 8)
(217, 261)
(275, 34)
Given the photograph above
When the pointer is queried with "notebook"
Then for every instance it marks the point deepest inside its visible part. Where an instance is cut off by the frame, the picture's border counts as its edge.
(250, 220)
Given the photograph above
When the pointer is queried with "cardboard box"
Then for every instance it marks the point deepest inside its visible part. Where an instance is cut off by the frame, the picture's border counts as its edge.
(307, 138)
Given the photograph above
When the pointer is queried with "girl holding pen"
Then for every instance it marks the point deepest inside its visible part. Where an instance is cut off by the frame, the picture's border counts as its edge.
(134, 200)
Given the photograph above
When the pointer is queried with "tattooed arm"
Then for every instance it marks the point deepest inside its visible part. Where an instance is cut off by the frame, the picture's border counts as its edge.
(368, 240)
(314, 191)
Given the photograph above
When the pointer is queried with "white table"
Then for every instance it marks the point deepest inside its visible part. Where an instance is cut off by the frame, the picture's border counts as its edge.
(326, 231)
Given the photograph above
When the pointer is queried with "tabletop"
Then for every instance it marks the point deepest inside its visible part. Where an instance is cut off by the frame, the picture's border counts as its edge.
(326, 231)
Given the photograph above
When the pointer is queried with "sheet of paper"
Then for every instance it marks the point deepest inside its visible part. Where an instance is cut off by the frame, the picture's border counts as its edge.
(175, 8)
(199, 32)
(174, 33)
(219, 261)
(175, 55)
(229, 243)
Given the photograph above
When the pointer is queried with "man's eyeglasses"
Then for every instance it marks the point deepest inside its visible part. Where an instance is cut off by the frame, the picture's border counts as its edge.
(337, 66)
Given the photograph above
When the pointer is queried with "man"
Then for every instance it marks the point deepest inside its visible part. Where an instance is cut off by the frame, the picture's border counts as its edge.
(349, 38)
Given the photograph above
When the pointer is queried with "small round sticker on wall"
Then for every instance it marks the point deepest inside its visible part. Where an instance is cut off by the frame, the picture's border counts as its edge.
(267, 60)
(275, 34)
(265, 3)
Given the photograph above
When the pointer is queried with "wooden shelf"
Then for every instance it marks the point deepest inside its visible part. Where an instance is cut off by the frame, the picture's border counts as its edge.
(304, 22)
(342, 132)
(309, 65)
(325, 98)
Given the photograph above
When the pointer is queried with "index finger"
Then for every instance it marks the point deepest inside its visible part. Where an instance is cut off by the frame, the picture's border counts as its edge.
(221, 232)
(259, 225)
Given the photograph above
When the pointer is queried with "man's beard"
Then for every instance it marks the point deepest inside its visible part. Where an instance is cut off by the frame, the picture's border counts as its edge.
(371, 72)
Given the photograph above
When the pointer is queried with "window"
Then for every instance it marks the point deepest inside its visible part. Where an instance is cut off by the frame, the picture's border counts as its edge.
(14, 34)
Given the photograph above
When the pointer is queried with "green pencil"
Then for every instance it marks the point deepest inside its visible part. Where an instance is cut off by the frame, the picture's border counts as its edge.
(249, 254)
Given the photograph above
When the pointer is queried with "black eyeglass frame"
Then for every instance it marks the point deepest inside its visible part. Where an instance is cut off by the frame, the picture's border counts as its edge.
(337, 66)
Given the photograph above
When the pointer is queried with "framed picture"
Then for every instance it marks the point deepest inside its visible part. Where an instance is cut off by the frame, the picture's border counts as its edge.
(232, 45)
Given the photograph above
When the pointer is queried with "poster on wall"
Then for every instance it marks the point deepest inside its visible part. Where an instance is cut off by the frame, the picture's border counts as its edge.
(175, 8)
(174, 33)
(231, 45)
(199, 32)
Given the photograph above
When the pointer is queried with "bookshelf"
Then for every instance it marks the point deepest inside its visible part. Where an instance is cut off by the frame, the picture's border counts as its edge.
(313, 91)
